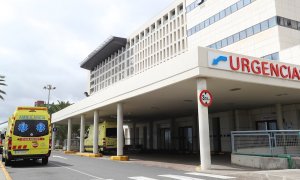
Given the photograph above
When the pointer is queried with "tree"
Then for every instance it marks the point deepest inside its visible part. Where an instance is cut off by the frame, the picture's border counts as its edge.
(62, 130)
(2, 84)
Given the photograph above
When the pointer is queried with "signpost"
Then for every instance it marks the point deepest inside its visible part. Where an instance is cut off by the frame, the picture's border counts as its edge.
(205, 98)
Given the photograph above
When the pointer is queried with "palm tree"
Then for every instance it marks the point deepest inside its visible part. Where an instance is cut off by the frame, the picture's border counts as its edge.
(2, 84)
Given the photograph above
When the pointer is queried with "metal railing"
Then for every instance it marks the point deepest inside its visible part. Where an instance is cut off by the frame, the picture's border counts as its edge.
(74, 145)
(272, 142)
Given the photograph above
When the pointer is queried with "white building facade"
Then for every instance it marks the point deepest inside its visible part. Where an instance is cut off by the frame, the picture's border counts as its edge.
(155, 75)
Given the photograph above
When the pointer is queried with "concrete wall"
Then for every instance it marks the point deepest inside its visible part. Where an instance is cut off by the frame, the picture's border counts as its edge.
(259, 162)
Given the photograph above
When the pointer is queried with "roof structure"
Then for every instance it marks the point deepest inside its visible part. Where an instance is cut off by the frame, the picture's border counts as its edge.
(111, 45)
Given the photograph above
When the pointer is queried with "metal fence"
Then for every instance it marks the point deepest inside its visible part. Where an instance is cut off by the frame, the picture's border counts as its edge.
(75, 144)
(273, 142)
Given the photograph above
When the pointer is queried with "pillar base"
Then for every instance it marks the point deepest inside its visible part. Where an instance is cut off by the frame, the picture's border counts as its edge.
(119, 158)
(69, 152)
(89, 154)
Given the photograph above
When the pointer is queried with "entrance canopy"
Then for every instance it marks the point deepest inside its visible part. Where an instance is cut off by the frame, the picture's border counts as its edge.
(170, 89)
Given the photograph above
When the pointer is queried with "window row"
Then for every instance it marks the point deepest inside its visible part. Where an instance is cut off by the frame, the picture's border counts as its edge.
(222, 14)
(273, 56)
(245, 33)
(281, 21)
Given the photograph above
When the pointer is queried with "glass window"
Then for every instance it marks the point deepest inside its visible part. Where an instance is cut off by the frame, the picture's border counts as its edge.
(246, 2)
(264, 25)
(294, 24)
(249, 31)
(233, 8)
(201, 25)
(243, 34)
(240, 4)
(217, 17)
(272, 22)
(193, 30)
(222, 14)
(189, 32)
(213, 46)
(111, 132)
(197, 28)
(188, 9)
(275, 56)
(298, 25)
(236, 37)
(206, 23)
(230, 40)
(256, 28)
(31, 128)
(227, 11)
(212, 20)
(218, 45)
(224, 42)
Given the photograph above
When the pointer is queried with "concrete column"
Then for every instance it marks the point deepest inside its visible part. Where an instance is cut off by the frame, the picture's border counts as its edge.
(53, 137)
(279, 116)
(82, 128)
(236, 120)
(120, 143)
(203, 128)
(172, 128)
(96, 132)
(195, 133)
(69, 135)
(150, 135)
(134, 133)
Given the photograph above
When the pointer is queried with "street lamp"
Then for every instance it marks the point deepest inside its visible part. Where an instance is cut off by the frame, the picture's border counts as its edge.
(49, 88)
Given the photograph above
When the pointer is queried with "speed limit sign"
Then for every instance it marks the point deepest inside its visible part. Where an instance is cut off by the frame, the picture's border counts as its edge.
(205, 98)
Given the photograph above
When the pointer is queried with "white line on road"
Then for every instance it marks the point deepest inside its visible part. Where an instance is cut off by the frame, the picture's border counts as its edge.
(141, 178)
(59, 157)
(179, 177)
(210, 175)
(94, 177)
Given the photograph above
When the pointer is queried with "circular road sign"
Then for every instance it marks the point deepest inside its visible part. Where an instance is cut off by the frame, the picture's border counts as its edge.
(54, 129)
(205, 98)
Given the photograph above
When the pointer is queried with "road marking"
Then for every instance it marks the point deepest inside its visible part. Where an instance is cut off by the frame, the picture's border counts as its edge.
(59, 157)
(94, 177)
(210, 175)
(141, 178)
(179, 177)
(6, 174)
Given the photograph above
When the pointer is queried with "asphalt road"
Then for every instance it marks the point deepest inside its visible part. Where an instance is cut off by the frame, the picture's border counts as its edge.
(72, 167)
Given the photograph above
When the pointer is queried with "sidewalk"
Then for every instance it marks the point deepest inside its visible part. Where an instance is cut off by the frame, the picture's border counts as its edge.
(220, 165)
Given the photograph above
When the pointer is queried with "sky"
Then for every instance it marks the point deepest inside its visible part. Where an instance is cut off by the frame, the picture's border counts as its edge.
(44, 41)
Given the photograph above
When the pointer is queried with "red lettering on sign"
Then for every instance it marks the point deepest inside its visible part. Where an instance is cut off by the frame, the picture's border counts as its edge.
(281, 72)
(274, 69)
(295, 73)
(237, 63)
(245, 64)
(256, 69)
(264, 68)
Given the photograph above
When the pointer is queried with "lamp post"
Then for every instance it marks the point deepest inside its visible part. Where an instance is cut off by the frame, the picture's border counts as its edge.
(49, 87)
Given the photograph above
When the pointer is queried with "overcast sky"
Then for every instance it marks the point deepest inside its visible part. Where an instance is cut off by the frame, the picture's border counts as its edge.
(43, 42)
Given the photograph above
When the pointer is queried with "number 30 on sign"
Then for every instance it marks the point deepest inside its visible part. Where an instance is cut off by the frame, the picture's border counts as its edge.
(205, 98)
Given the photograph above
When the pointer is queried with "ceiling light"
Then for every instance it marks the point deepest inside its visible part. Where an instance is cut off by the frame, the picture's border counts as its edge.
(235, 89)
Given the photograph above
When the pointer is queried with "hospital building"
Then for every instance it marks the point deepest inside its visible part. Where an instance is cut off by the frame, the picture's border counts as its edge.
(198, 78)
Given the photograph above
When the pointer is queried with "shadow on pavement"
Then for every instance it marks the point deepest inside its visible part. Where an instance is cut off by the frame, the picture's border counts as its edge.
(36, 164)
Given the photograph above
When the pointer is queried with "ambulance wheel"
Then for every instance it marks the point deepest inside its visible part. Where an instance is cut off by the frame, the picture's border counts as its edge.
(45, 161)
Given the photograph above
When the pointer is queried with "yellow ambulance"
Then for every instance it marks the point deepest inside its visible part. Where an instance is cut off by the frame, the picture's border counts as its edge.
(28, 135)
(107, 137)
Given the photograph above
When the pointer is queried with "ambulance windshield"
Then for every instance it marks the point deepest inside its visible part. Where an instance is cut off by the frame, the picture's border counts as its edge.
(31, 128)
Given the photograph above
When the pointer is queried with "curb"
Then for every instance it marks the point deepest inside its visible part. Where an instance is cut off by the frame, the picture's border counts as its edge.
(69, 152)
(119, 158)
(7, 176)
(89, 155)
